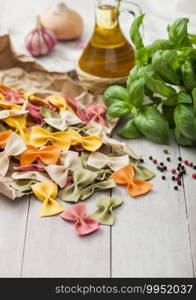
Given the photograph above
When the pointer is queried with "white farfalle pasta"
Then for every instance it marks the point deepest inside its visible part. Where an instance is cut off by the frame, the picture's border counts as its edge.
(7, 113)
(33, 175)
(99, 160)
(14, 147)
(58, 174)
(66, 119)
(70, 160)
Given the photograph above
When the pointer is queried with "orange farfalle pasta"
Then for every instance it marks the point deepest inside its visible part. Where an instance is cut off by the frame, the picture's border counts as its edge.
(48, 155)
(135, 187)
(4, 136)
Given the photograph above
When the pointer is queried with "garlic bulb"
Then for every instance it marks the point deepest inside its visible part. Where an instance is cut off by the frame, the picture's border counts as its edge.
(64, 22)
(40, 41)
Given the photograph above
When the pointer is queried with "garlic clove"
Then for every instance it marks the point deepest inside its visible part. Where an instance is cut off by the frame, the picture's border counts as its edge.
(40, 41)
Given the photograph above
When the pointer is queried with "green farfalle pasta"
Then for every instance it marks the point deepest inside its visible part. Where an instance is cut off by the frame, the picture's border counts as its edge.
(104, 213)
(102, 185)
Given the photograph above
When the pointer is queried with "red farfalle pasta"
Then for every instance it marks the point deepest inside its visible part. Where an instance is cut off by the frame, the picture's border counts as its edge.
(77, 214)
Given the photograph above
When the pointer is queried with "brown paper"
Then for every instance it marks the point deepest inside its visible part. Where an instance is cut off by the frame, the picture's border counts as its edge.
(7, 190)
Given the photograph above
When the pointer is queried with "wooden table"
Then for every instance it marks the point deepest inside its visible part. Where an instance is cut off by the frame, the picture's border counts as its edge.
(153, 236)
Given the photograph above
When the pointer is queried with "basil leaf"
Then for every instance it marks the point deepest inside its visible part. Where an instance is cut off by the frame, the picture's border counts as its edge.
(135, 33)
(182, 140)
(178, 33)
(158, 86)
(192, 38)
(184, 97)
(194, 99)
(188, 75)
(135, 73)
(185, 120)
(151, 123)
(141, 56)
(168, 113)
(171, 101)
(115, 92)
(130, 131)
(159, 45)
(118, 109)
(187, 53)
(136, 92)
(166, 66)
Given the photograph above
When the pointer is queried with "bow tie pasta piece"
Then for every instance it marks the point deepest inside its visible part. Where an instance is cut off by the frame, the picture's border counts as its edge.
(103, 185)
(11, 94)
(59, 174)
(47, 193)
(40, 137)
(66, 120)
(4, 136)
(70, 159)
(59, 102)
(82, 178)
(9, 105)
(104, 213)
(48, 155)
(31, 175)
(135, 187)
(90, 143)
(77, 214)
(19, 124)
(32, 167)
(100, 160)
(14, 147)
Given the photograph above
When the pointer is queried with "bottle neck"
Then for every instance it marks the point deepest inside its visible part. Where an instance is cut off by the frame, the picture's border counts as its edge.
(107, 16)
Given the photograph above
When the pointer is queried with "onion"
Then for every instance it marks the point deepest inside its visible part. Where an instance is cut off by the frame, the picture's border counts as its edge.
(64, 22)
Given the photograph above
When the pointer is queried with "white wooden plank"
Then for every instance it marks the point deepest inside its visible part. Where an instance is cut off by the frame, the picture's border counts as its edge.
(13, 215)
(190, 195)
(53, 249)
(150, 237)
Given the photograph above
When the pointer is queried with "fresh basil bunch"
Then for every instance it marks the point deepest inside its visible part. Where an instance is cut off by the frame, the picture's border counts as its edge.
(165, 74)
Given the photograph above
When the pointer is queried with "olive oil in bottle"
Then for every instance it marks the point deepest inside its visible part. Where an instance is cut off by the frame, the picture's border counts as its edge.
(108, 54)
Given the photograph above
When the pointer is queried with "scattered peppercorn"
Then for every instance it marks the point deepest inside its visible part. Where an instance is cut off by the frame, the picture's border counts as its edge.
(179, 183)
(176, 188)
(168, 159)
(141, 161)
(194, 167)
(150, 157)
(194, 176)
(186, 162)
(178, 168)
(154, 161)
(179, 165)
(165, 168)
(173, 178)
(177, 178)
(184, 172)
(173, 171)
(183, 167)
(161, 164)
(180, 158)
(190, 164)
(166, 151)
(163, 177)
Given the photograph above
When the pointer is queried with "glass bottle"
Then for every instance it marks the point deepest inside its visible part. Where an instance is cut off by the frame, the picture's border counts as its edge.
(108, 54)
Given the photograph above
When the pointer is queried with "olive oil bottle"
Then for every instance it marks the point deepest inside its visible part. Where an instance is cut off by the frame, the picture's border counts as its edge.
(108, 54)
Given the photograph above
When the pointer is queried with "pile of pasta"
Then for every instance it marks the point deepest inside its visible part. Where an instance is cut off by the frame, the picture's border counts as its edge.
(60, 150)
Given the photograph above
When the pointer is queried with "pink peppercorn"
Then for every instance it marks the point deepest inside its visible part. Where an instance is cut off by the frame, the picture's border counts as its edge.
(154, 161)
(190, 164)
(186, 162)
(178, 178)
(173, 171)
(194, 176)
